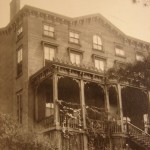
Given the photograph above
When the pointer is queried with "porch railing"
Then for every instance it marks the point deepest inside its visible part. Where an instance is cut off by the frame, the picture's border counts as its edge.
(47, 122)
(68, 122)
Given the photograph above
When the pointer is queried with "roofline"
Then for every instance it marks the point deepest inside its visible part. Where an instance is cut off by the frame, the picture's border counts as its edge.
(71, 20)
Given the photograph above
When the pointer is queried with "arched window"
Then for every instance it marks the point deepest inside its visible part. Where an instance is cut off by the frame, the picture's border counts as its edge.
(97, 42)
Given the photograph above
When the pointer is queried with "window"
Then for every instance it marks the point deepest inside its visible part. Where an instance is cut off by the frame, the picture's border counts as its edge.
(119, 51)
(19, 32)
(49, 109)
(118, 64)
(75, 58)
(19, 62)
(97, 42)
(48, 30)
(49, 53)
(99, 64)
(74, 37)
(139, 57)
(19, 106)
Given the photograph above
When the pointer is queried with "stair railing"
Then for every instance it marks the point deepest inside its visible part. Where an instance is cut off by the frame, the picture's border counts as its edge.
(132, 129)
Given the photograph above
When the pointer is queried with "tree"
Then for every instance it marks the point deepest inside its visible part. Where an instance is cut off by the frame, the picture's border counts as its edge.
(13, 137)
(137, 73)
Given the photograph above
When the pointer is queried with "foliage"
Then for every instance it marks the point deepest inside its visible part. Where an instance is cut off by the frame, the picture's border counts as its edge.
(13, 137)
(137, 74)
(144, 2)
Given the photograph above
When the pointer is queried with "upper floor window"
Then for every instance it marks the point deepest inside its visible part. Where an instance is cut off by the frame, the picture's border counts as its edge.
(119, 51)
(49, 53)
(97, 42)
(19, 61)
(75, 58)
(139, 57)
(19, 32)
(19, 106)
(99, 64)
(48, 30)
(74, 37)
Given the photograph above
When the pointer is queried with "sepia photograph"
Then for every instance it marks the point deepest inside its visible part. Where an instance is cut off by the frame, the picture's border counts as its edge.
(74, 74)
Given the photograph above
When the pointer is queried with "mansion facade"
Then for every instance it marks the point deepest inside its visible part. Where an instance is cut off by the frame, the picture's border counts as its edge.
(53, 79)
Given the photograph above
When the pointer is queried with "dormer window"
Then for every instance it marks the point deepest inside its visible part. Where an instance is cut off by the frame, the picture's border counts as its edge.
(97, 42)
(119, 51)
(139, 57)
(48, 30)
(74, 37)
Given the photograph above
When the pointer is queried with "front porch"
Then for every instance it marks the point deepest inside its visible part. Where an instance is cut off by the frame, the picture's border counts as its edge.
(75, 100)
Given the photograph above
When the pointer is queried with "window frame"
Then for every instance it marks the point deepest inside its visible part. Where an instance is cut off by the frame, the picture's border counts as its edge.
(120, 48)
(98, 37)
(19, 64)
(20, 35)
(140, 55)
(19, 104)
(49, 44)
(49, 26)
(100, 58)
(77, 52)
(78, 39)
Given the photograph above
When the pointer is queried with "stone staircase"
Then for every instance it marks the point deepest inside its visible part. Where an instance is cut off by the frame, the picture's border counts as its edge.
(138, 136)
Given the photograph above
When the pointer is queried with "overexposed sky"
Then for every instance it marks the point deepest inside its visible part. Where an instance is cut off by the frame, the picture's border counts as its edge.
(132, 19)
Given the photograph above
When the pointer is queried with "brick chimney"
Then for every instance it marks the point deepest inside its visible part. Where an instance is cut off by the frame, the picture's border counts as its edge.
(14, 8)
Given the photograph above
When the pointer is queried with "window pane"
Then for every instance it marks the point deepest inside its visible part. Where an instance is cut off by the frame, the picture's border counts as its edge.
(45, 27)
(99, 42)
(101, 63)
(72, 57)
(97, 64)
(76, 36)
(139, 57)
(95, 39)
(51, 29)
(46, 53)
(52, 53)
(77, 59)
(71, 34)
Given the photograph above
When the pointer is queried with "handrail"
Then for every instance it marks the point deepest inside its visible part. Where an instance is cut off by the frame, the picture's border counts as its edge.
(138, 129)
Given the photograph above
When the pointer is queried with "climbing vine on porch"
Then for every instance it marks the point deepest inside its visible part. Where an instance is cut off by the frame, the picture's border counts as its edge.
(97, 124)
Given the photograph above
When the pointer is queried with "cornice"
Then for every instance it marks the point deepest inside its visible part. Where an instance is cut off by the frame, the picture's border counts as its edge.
(53, 17)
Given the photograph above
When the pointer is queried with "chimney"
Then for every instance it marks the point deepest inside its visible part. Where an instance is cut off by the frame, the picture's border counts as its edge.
(14, 8)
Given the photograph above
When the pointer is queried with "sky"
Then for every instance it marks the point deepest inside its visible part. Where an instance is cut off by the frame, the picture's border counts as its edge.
(132, 19)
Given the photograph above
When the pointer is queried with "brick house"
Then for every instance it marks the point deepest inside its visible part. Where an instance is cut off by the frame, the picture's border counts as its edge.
(52, 78)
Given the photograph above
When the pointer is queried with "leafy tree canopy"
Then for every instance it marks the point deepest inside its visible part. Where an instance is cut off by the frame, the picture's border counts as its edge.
(137, 73)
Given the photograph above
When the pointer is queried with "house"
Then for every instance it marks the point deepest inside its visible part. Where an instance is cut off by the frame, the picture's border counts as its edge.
(52, 78)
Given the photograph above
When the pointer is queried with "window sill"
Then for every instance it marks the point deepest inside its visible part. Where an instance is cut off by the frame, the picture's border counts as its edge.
(77, 44)
(102, 51)
(19, 75)
(51, 37)
(120, 56)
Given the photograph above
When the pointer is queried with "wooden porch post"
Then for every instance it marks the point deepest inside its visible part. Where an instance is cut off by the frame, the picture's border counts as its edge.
(82, 102)
(120, 105)
(55, 98)
(148, 111)
(107, 104)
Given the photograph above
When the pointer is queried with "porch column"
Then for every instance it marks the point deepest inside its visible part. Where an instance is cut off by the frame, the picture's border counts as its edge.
(55, 98)
(120, 104)
(148, 111)
(107, 105)
(82, 103)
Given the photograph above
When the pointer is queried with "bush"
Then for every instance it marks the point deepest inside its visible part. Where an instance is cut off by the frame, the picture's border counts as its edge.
(13, 137)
